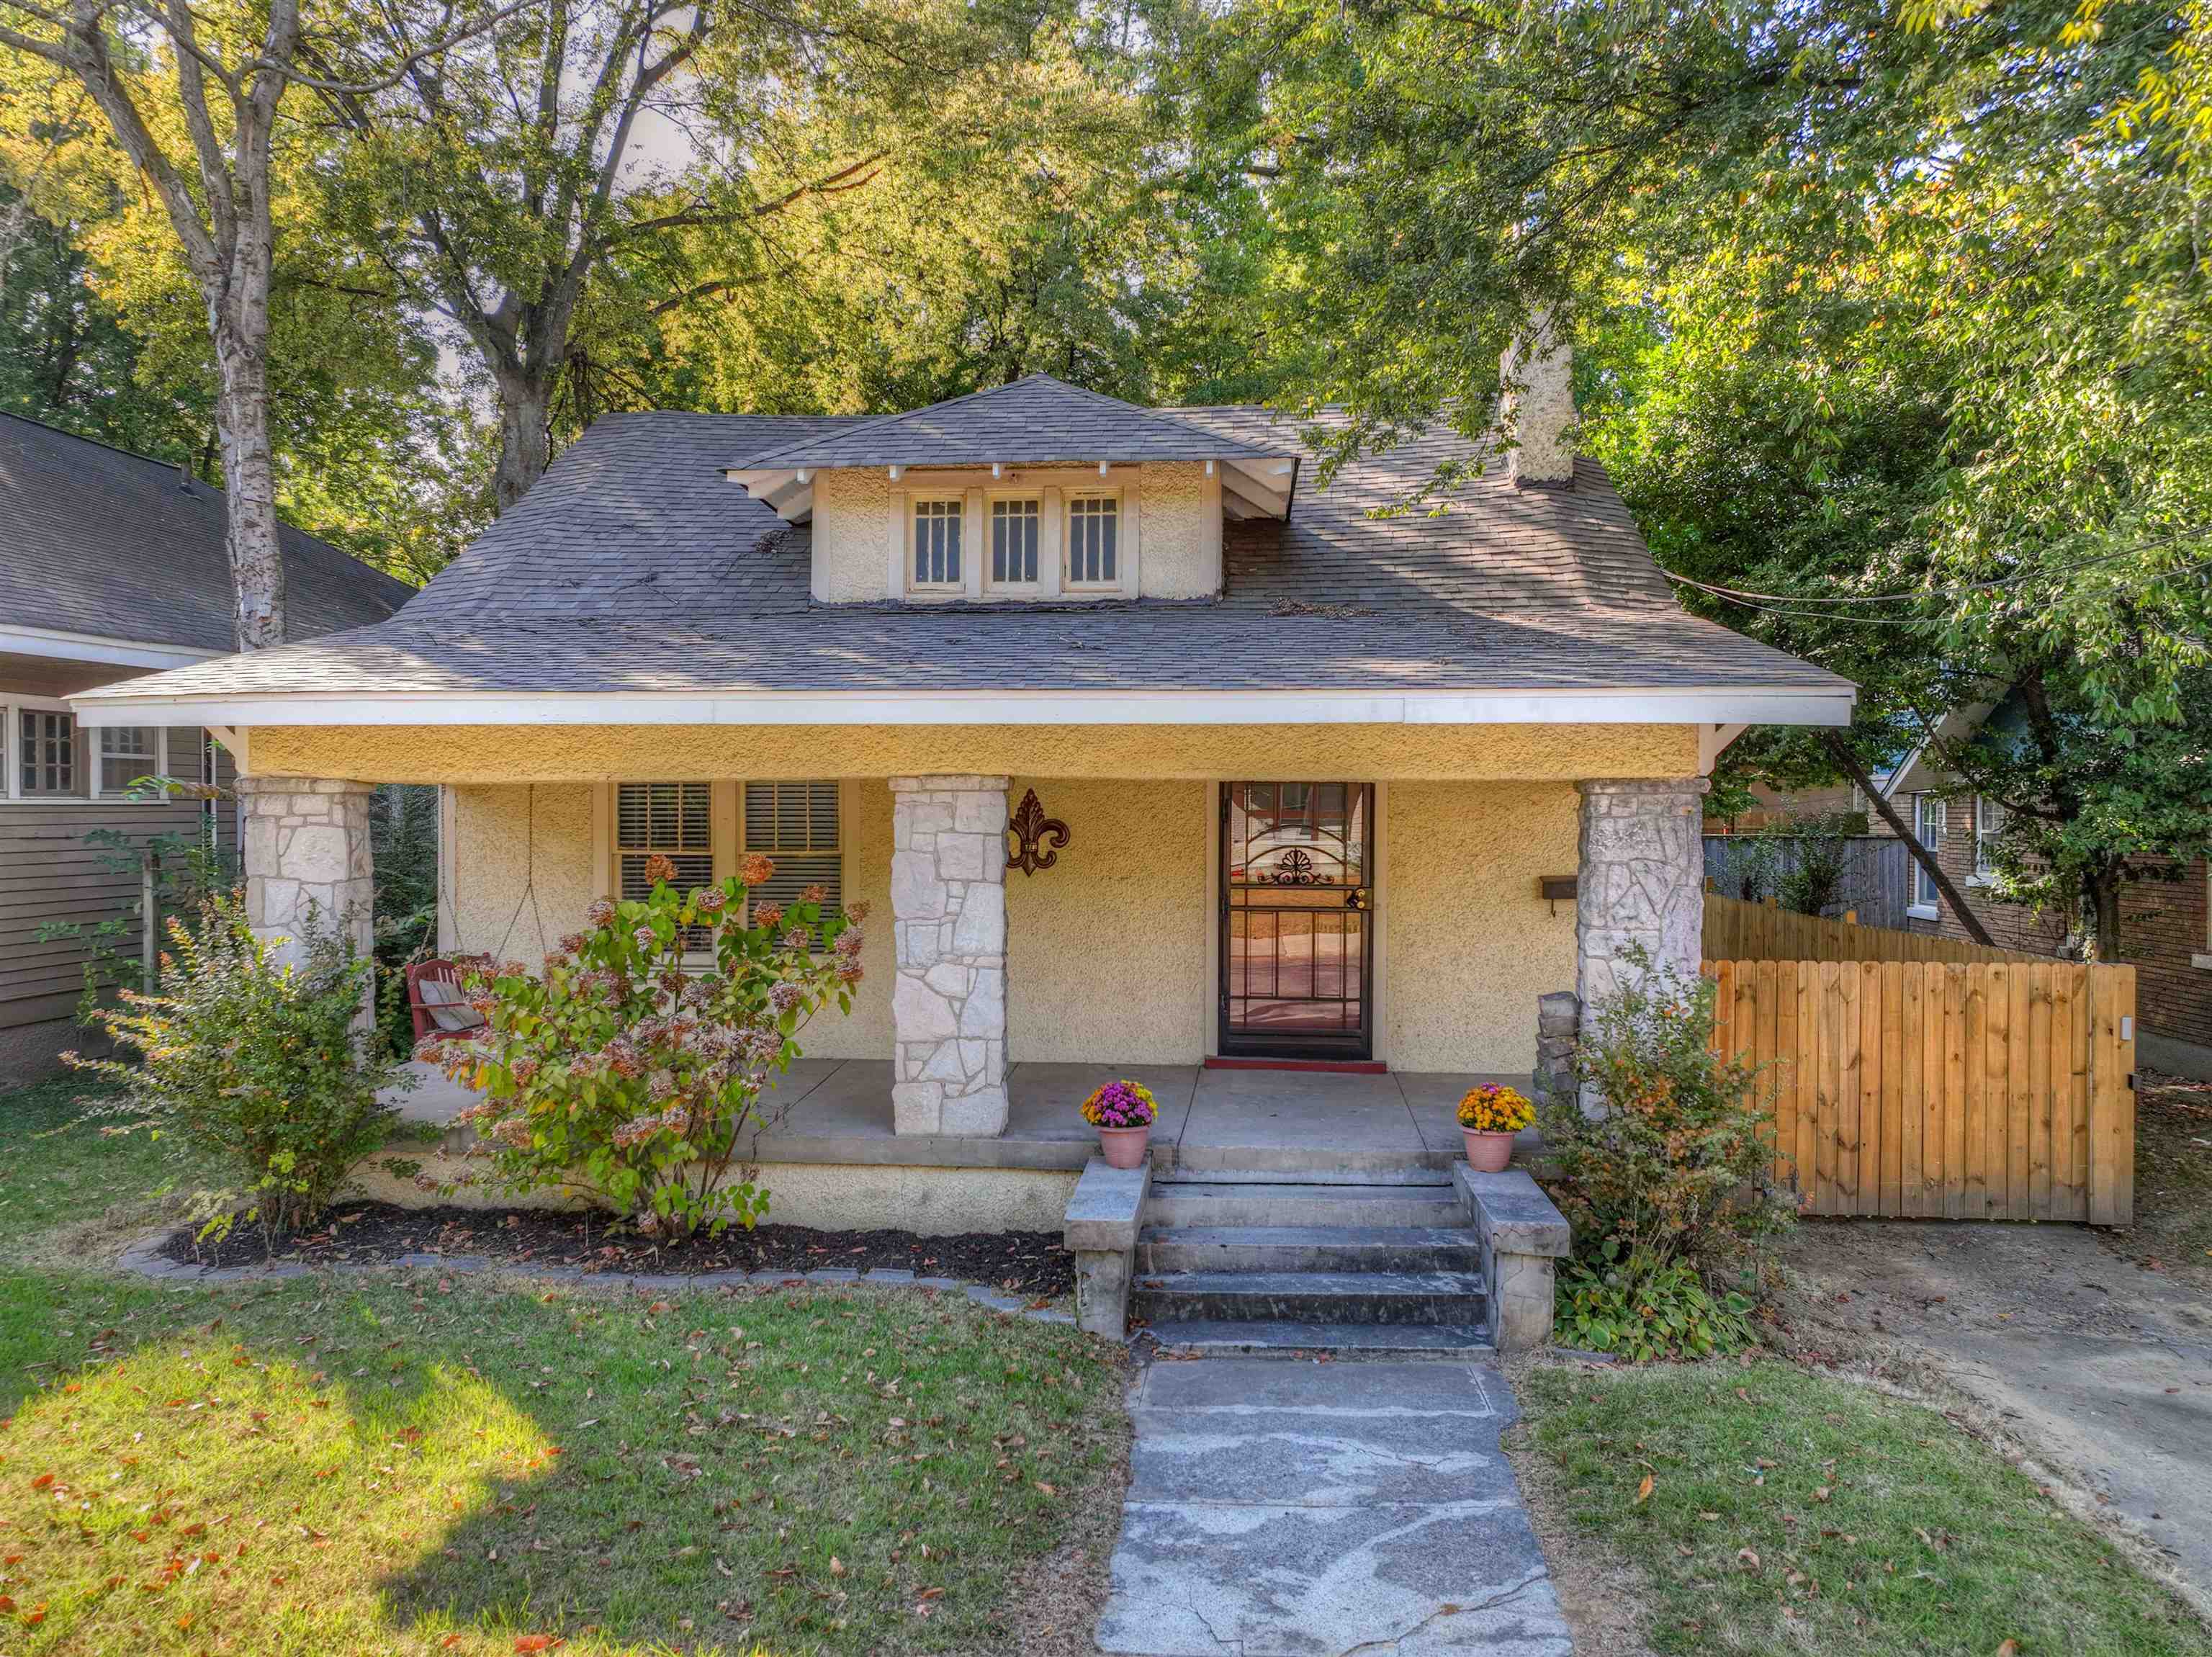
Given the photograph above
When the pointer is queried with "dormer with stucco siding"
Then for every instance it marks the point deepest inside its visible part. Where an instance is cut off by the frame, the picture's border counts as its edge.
(1032, 492)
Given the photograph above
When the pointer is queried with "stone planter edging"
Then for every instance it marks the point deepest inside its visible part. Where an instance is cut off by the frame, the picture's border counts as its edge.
(1520, 1235)
(145, 1258)
(1101, 1233)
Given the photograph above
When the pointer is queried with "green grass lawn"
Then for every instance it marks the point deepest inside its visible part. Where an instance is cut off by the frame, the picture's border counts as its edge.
(418, 1462)
(1791, 1512)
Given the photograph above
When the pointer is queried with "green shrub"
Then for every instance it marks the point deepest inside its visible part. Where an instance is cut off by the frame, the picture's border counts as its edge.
(1643, 1309)
(629, 1068)
(1672, 1175)
(270, 1067)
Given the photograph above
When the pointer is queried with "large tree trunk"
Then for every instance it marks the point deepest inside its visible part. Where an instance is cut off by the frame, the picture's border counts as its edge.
(525, 450)
(2105, 904)
(249, 480)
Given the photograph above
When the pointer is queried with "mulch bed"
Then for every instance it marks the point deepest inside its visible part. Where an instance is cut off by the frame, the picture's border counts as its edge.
(368, 1234)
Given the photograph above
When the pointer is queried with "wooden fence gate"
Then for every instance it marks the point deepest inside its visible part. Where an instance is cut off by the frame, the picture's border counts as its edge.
(1978, 1090)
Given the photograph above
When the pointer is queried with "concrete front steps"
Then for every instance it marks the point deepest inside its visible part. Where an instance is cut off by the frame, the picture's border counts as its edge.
(1245, 1262)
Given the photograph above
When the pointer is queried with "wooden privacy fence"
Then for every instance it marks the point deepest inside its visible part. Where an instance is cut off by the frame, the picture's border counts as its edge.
(1738, 931)
(1982, 1090)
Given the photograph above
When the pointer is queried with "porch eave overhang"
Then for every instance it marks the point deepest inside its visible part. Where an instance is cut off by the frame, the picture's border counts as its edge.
(1613, 705)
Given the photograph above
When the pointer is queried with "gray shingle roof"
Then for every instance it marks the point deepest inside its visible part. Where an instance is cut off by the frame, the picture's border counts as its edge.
(1036, 421)
(96, 540)
(635, 565)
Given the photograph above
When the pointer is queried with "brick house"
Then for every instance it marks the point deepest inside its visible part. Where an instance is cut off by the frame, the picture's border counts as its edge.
(2165, 917)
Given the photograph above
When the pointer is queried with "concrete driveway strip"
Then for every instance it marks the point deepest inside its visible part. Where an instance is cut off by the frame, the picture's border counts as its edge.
(1285, 1509)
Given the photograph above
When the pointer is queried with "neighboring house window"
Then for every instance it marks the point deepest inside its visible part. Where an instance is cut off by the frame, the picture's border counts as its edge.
(796, 825)
(1014, 542)
(127, 753)
(1928, 816)
(937, 542)
(47, 748)
(1989, 823)
(1094, 527)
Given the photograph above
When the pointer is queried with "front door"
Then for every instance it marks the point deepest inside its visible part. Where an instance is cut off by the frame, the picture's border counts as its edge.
(1297, 932)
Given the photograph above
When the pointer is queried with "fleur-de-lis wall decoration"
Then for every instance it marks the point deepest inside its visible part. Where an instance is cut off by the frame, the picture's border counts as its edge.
(1032, 828)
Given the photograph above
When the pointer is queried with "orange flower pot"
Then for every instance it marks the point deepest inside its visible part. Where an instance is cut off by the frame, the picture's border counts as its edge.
(1124, 1148)
(1487, 1153)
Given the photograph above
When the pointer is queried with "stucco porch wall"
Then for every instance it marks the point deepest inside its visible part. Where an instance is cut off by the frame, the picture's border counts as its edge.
(607, 753)
(524, 868)
(1111, 949)
(1111, 952)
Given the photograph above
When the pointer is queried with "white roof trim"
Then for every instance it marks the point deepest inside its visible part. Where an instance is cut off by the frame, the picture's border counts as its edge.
(56, 645)
(116, 705)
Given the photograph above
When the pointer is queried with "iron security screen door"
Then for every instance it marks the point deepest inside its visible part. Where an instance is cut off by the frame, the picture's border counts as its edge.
(1297, 936)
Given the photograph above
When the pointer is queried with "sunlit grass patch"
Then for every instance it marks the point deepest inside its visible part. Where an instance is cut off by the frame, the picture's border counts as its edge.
(425, 1464)
(1789, 1512)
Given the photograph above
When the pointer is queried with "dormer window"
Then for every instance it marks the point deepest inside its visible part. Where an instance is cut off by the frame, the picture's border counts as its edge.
(937, 543)
(1014, 527)
(1094, 535)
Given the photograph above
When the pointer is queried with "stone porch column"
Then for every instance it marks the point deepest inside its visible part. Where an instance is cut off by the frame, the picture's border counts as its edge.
(1642, 879)
(949, 931)
(307, 845)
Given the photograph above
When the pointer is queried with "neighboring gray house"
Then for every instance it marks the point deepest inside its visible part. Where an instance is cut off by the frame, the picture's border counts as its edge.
(112, 565)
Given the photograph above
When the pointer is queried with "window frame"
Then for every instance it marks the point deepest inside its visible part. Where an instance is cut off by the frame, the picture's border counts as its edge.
(1927, 901)
(746, 848)
(727, 797)
(84, 760)
(1070, 499)
(1984, 833)
(97, 778)
(992, 499)
(911, 512)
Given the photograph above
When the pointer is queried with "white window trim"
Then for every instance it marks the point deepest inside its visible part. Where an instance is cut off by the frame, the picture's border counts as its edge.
(1052, 488)
(1979, 875)
(1119, 585)
(1047, 572)
(11, 742)
(97, 787)
(915, 588)
(1922, 908)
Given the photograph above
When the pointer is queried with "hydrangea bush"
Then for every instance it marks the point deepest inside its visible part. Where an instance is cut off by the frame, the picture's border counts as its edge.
(1123, 1104)
(630, 1068)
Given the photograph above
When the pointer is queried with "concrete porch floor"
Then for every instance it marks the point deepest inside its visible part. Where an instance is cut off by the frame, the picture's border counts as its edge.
(839, 1111)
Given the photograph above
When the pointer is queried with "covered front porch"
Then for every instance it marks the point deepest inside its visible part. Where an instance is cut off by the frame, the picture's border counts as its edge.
(837, 1112)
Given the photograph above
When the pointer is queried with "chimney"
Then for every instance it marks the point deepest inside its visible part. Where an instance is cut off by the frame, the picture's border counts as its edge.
(1537, 408)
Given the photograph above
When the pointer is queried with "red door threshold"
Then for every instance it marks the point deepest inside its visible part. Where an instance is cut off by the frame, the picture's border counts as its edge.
(1349, 1067)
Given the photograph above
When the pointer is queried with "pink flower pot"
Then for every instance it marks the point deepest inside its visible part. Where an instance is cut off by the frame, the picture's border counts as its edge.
(1487, 1153)
(1124, 1148)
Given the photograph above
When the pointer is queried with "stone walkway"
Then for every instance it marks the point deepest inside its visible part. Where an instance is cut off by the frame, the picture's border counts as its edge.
(1286, 1510)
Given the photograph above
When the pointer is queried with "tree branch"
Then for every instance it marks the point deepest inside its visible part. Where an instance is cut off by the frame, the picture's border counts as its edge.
(1841, 749)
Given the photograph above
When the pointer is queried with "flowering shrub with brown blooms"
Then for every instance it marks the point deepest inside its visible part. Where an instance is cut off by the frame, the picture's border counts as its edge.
(1676, 1166)
(625, 1071)
(269, 1066)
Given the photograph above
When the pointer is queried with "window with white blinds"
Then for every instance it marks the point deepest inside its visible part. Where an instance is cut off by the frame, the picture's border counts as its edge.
(676, 819)
(796, 826)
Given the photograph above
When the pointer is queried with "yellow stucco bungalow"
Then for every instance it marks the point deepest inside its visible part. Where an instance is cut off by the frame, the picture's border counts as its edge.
(1144, 748)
